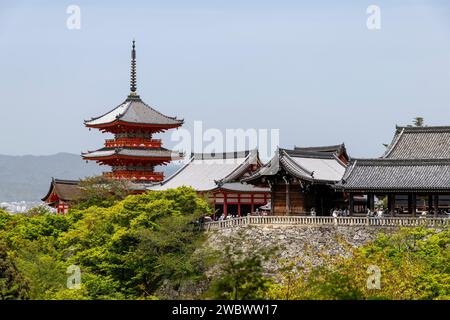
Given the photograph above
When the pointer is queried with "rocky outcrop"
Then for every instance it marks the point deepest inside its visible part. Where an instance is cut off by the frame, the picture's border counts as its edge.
(306, 244)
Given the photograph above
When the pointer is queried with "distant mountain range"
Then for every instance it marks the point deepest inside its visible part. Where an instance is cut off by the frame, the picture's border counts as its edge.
(27, 178)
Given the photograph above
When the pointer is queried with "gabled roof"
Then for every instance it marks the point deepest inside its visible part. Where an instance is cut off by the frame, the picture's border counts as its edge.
(66, 190)
(397, 175)
(339, 150)
(419, 143)
(207, 172)
(134, 111)
(306, 165)
(336, 148)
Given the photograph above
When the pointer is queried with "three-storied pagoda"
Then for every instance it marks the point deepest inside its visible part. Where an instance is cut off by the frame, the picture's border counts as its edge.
(133, 153)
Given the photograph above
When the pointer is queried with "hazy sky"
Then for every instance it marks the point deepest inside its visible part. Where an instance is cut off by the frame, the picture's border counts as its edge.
(312, 70)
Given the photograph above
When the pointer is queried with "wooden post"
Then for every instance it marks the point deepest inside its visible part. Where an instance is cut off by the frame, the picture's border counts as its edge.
(370, 201)
(436, 204)
(430, 203)
(239, 205)
(391, 204)
(413, 202)
(288, 199)
(252, 200)
(350, 204)
(225, 208)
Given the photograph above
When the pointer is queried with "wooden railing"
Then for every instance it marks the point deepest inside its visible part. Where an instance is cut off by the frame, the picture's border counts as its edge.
(135, 175)
(133, 142)
(331, 221)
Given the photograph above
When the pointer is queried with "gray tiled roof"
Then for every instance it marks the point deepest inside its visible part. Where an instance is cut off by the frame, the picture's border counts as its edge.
(419, 143)
(207, 172)
(134, 110)
(306, 165)
(397, 175)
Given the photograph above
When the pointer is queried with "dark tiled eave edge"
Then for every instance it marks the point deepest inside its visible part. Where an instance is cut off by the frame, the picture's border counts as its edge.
(378, 162)
(340, 187)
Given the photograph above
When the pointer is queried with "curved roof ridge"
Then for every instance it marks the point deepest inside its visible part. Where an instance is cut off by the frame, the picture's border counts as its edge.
(349, 171)
(424, 128)
(162, 114)
(393, 143)
(253, 155)
(221, 155)
(104, 114)
(290, 161)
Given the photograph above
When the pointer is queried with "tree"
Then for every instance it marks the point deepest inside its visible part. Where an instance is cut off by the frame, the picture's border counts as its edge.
(101, 191)
(418, 121)
(138, 243)
(239, 272)
(12, 283)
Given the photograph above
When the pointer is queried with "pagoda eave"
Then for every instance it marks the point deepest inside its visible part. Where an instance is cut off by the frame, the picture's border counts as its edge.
(126, 157)
(118, 125)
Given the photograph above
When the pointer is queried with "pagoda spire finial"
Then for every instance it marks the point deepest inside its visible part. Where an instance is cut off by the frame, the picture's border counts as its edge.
(133, 70)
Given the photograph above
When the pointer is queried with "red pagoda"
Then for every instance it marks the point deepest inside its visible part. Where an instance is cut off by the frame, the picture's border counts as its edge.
(133, 153)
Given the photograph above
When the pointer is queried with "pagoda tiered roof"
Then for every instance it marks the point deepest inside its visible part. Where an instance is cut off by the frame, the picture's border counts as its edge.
(133, 153)
(134, 112)
(125, 153)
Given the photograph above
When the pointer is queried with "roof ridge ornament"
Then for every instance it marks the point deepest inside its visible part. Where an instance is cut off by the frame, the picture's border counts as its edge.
(133, 83)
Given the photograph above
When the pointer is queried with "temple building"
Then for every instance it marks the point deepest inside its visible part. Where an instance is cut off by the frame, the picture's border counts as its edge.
(218, 176)
(133, 153)
(61, 193)
(412, 177)
(302, 180)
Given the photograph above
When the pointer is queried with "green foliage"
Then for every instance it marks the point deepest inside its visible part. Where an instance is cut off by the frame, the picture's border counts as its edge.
(12, 283)
(37, 211)
(4, 218)
(126, 250)
(418, 122)
(239, 273)
(101, 191)
(414, 264)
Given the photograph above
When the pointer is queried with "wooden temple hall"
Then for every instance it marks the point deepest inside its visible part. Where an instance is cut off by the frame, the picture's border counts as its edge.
(302, 180)
(412, 177)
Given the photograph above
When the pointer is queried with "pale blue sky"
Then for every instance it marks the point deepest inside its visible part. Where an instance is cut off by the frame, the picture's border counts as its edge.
(312, 70)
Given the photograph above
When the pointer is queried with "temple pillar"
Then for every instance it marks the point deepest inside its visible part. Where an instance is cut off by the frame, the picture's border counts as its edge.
(430, 203)
(436, 204)
(412, 203)
(391, 204)
(225, 208)
(351, 204)
(288, 199)
(370, 201)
